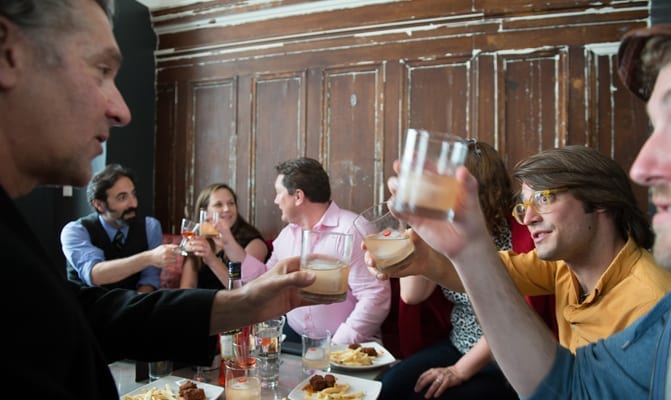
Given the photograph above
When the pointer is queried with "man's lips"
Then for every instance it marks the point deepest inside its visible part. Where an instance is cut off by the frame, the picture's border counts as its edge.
(662, 214)
(661, 207)
(538, 235)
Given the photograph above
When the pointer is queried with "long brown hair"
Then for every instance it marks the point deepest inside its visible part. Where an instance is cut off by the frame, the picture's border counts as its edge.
(494, 187)
(242, 231)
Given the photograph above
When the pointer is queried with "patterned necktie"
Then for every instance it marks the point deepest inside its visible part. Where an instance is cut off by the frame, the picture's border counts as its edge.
(118, 240)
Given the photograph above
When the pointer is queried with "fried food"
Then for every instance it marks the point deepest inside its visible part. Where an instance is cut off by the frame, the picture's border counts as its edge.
(190, 391)
(354, 355)
(326, 388)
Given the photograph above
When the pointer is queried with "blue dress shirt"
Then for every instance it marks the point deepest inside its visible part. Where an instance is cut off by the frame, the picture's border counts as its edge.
(83, 255)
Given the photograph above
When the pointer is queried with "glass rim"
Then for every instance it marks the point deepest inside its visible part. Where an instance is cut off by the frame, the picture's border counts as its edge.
(437, 135)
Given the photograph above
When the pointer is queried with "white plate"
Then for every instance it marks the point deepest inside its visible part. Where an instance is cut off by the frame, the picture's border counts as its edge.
(371, 389)
(384, 357)
(212, 392)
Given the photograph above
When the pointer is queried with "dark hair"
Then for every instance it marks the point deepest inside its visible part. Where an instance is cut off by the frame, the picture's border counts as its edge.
(593, 178)
(44, 20)
(655, 55)
(494, 187)
(643, 52)
(308, 175)
(242, 231)
(105, 179)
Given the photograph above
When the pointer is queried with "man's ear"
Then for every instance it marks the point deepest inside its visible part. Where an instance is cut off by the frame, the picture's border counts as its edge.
(98, 205)
(299, 197)
(9, 39)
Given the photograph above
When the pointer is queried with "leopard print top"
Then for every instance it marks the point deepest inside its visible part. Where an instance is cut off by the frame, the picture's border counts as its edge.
(465, 327)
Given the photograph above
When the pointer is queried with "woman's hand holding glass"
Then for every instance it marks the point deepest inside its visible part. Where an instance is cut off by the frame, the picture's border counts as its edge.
(201, 247)
(416, 267)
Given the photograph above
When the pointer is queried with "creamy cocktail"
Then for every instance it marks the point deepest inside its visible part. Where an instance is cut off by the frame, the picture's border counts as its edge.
(327, 255)
(331, 283)
(426, 182)
(385, 237)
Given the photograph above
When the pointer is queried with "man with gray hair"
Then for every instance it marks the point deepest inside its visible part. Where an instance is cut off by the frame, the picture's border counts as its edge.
(58, 101)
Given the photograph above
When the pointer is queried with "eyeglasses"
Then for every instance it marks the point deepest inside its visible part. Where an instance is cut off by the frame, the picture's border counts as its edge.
(539, 201)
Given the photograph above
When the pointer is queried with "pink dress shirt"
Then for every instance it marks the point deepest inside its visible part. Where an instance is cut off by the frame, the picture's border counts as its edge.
(359, 317)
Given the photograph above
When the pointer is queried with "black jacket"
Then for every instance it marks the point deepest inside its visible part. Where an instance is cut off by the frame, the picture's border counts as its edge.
(62, 336)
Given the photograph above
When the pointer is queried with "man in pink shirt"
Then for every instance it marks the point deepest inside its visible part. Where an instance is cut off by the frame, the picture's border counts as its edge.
(304, 197)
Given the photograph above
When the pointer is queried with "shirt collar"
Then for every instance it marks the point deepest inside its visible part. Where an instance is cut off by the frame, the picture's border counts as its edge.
(618, 270)
(328, 220)
(110, 230)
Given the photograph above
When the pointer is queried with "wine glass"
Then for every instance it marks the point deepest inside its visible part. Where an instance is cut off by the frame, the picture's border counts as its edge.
(188, 231)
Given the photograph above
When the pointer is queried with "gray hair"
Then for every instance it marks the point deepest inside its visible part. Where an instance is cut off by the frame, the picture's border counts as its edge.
(43, 20)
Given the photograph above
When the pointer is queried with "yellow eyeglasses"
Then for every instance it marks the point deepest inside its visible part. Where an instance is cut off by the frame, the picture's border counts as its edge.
(539, 201)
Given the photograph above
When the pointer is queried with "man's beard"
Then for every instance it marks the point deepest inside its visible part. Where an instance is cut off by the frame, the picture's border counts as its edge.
(662, 246)
(122, 221)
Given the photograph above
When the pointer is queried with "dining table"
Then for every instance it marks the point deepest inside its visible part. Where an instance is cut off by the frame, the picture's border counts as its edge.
(291, 374)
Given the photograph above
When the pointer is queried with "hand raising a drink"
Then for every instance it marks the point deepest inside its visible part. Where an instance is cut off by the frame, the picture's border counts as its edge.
(437, 238)
(385, 238)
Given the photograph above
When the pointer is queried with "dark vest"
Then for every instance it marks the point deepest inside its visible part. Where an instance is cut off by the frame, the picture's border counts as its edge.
(136, 242)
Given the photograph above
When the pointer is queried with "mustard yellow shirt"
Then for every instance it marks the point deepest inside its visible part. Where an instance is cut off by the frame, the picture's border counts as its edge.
(631, 285)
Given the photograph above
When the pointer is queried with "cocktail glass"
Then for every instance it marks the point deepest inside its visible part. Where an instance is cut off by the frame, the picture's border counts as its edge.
(208, 220)
(242, 381)
(426, 181)
(328, 256)
(385, 238)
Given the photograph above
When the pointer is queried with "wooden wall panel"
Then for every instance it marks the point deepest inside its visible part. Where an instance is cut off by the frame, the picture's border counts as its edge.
(439, 95)
(353, 140)
(278, 103)
(343, 85)
(484, 123)
(167, 153)
(619, 134)
(213, 155)
(529, 103)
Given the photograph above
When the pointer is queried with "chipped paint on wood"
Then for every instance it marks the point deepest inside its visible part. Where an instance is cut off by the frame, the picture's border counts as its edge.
(260, 15)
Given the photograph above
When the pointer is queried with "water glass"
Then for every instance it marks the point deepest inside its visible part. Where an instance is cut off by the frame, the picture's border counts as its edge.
(242, 382)
(327, 255)
(385, 237)
(316, 351)
(268, 347)
(426, 182)
(159, 369)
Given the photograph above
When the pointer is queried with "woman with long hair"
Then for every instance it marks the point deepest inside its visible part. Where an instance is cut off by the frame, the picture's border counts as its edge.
(206, 266)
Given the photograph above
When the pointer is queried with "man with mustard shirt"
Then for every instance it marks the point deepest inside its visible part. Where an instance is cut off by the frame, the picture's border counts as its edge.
(634, 363)
(591, 244)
